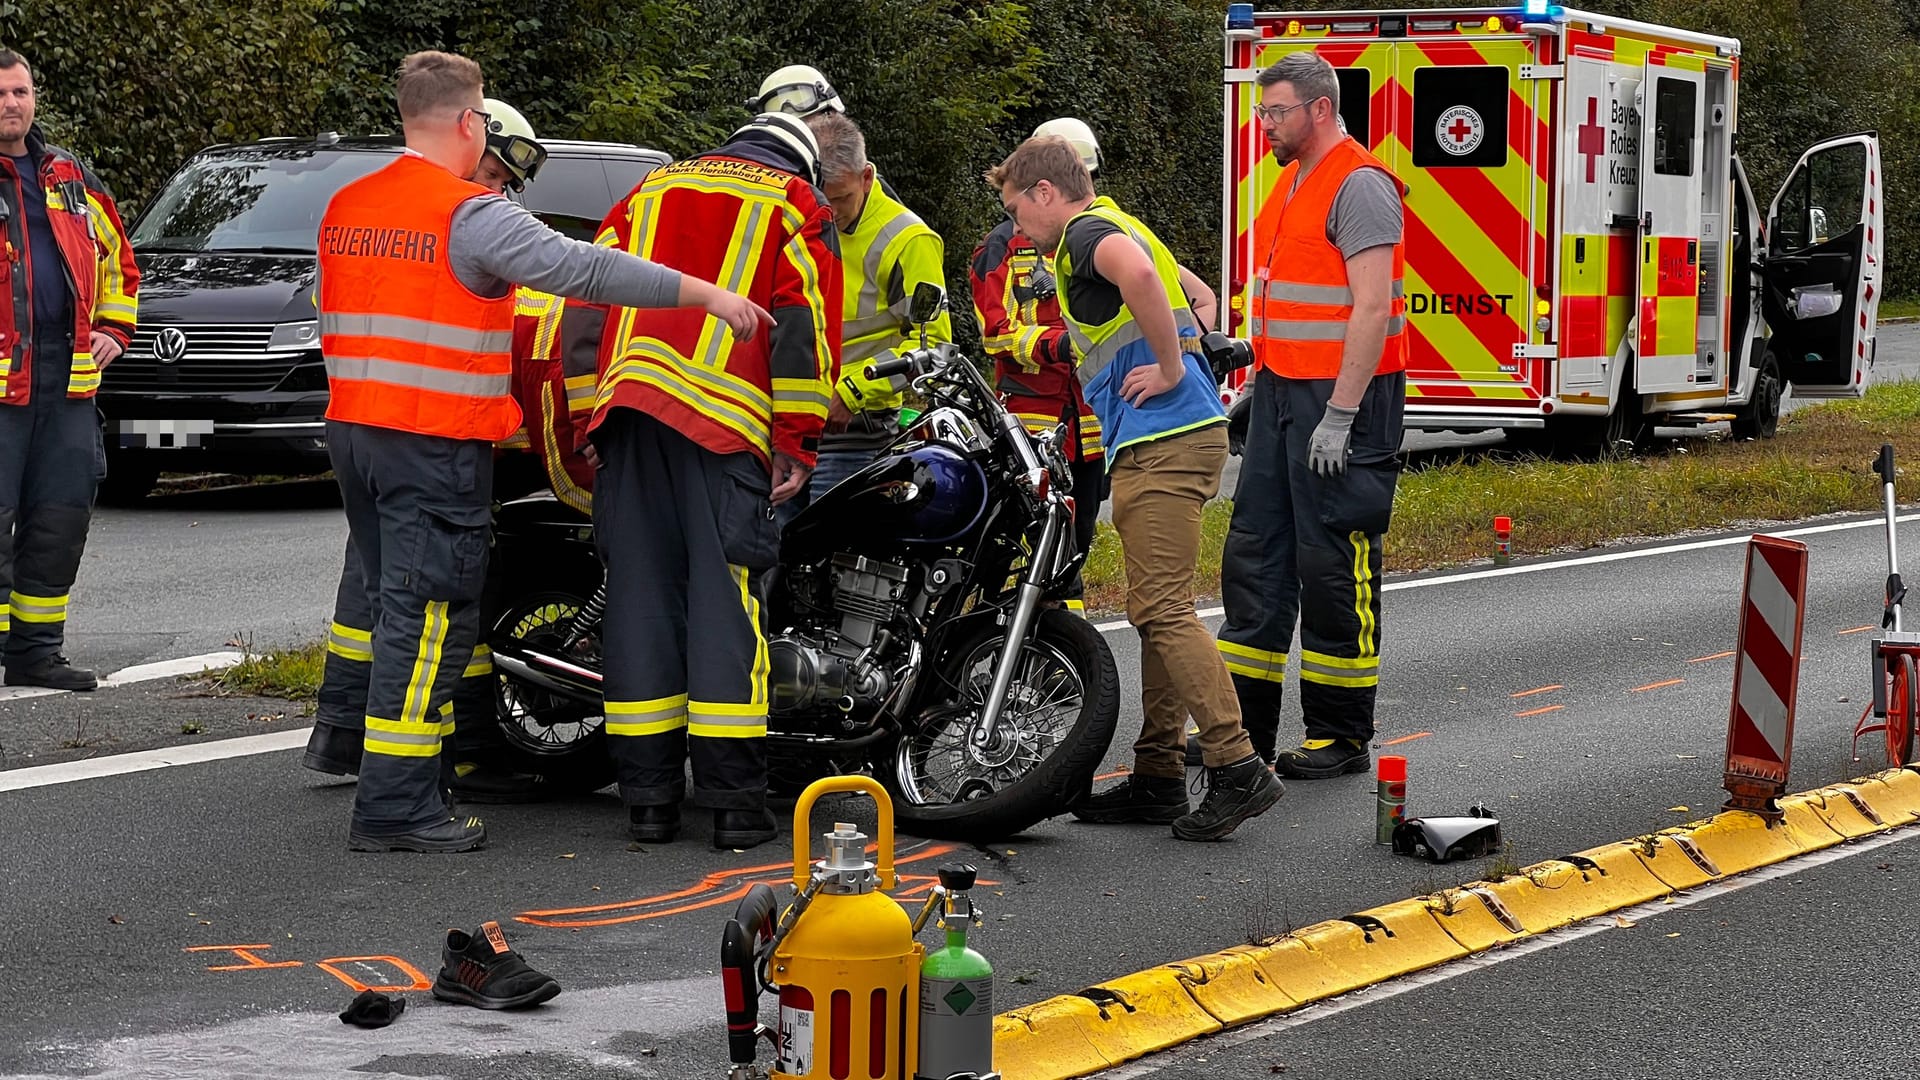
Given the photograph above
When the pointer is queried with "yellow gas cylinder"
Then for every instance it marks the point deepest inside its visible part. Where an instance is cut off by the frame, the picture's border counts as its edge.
(848, 970)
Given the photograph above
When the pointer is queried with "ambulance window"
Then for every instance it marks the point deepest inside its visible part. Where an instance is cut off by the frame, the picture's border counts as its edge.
(1460, 117)
(1356, 103)
(1675, 102)
(1837, 184)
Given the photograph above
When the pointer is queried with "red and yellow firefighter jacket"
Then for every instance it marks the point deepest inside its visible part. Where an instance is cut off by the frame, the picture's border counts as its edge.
(96, 264)
(739, 217)
(553, 407)
(1023, 332)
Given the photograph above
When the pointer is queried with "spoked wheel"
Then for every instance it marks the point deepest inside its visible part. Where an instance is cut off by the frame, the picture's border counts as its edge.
(555, 736)
(1901, 677)
(1059, 717)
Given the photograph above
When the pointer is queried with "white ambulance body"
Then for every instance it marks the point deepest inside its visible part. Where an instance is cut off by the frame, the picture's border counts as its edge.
(1584, 256)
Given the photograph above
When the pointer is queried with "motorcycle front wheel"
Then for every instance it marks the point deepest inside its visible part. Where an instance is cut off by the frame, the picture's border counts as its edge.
(1060, 714)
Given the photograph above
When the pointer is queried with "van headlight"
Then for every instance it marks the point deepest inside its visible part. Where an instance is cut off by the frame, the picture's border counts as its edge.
(295, 336)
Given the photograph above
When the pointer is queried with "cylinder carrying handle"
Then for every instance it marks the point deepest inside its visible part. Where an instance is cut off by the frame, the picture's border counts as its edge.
(803, 826)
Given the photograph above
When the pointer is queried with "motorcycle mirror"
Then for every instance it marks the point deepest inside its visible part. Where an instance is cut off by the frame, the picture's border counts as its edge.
(1443, 839)
(928, 299)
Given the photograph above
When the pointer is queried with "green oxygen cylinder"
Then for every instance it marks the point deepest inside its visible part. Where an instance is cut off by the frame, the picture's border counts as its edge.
(956, 992)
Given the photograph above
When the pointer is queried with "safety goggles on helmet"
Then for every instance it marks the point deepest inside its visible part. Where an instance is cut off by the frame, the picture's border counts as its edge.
(521, 155)
(799, 99)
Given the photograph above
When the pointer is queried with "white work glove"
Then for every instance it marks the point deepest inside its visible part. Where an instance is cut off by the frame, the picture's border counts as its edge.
(1327, 454)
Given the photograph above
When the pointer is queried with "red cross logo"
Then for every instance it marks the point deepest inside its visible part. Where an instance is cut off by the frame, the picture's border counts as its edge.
(1593, 137)
(1460, 130)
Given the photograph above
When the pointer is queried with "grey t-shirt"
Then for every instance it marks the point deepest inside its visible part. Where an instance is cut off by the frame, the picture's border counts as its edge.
(1366, 213)
(495, 244)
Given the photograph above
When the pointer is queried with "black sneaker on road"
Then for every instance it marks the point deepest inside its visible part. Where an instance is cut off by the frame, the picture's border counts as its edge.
(1137, 800)
(479, 970)
(441, 838)
(1234, 794)
(1321, 759)
(54, 673)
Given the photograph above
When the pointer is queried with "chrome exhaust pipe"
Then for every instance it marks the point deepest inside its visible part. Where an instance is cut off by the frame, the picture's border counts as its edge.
(549, 672)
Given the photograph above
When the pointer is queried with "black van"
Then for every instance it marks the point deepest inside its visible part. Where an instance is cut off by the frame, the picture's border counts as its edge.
(224, 373)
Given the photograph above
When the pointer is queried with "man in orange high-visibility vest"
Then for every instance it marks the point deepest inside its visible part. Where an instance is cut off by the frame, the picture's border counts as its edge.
(1317, 477)
(417, 273)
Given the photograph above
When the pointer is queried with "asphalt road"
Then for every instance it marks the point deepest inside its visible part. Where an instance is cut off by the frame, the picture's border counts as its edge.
(109, 885)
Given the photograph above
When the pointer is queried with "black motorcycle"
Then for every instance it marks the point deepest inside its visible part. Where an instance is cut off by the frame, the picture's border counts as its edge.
(914, 625)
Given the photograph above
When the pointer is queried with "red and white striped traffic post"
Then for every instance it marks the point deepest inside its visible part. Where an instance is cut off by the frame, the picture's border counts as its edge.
(1760, 732)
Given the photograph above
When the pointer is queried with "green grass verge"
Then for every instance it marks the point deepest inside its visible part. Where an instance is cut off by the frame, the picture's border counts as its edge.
(292, 673)
(1443, 514)
(1904, 308)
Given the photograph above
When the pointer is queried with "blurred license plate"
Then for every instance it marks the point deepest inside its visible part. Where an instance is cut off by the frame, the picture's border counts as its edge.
(165, 434)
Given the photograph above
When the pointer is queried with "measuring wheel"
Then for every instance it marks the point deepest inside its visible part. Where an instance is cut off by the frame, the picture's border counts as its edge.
(1903, 679)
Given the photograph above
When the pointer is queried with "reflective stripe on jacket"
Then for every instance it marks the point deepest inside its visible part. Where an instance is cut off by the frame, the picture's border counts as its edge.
(408, 346)
(1301, 300)
(1023, 333)
(888, 253)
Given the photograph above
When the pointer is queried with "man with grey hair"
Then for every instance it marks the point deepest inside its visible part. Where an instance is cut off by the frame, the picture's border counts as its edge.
(886, 251)
(1315, 494)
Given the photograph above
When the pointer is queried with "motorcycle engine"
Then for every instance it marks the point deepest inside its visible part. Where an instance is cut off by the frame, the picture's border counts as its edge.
(833, 661)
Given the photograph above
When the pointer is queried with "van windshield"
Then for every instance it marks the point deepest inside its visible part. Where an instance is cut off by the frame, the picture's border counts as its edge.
(250, 200)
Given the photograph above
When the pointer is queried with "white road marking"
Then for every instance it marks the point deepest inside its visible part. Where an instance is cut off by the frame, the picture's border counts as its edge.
(1392, 988)
(147, 760)
(114, 765)
(186, 665)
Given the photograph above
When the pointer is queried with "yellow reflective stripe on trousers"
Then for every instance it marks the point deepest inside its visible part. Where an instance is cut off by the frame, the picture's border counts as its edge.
(653, 717)
(481, 664)
(1363, 593)
(762, 665)
(38, 609)
(398, 739)
(1078, 607)
(1330, 670)
(426, 664)
(725, 720)
(1363, 670)
(350, 643)
(1262, 664)
(6, 622)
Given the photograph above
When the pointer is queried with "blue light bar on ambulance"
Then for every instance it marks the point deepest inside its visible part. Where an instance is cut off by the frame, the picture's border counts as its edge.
(1541, 10)
(1239, 16)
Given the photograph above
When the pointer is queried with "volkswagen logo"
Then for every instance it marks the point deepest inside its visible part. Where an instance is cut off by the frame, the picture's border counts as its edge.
(170, 345)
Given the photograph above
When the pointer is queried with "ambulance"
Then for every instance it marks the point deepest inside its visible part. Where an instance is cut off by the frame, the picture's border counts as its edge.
(1585, 258)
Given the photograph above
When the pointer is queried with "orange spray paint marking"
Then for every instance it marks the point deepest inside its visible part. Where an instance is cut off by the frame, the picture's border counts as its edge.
(420, 982)
(1537, 712)
(244, 952)
(1715, 656)
(1407, 738)
(1538, 690)
(1858, 630)
(1656, 685)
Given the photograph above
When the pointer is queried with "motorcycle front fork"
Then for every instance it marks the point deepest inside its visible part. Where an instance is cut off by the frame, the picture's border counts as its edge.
(1026, 609)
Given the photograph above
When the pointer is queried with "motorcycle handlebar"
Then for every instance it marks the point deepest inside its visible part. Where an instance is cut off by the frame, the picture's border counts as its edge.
(889, 368)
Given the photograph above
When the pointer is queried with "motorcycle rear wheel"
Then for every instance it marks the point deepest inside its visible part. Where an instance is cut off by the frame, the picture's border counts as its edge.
(558, 738)
(1060, 716)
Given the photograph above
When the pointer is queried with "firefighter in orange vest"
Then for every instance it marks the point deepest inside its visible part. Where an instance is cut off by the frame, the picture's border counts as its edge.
(531, 460)
(417, 270)
(1317, 476)
(698, 437)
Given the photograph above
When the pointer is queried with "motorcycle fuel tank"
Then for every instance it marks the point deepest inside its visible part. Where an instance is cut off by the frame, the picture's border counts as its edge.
(927, 495)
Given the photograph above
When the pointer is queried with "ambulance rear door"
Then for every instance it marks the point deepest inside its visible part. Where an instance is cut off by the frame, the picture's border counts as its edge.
(1820, 296)
(1671, 103)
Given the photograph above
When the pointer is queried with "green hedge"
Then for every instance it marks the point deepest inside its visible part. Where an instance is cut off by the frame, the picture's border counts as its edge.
(944, 88)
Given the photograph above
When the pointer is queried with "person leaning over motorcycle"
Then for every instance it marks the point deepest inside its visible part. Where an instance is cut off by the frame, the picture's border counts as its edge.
(886, 252)
(698, 437)
(513, 158)
(1167, 441)
(417, 272)
(1022, 332)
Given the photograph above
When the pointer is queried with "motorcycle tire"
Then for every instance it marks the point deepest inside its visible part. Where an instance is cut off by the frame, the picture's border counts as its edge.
(1051, 786)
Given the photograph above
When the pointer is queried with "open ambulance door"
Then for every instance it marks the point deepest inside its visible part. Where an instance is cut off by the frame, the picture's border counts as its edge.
(1672, 175)
(1821, 291)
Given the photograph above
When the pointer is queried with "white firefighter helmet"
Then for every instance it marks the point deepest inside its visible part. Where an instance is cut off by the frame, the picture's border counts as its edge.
(796, 89)
(793, 133)
(510, 139)
(1078, 134)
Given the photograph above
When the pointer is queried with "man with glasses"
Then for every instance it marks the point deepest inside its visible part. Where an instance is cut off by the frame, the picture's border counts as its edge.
(1166, 442)
(417, 270)
(1318, 472)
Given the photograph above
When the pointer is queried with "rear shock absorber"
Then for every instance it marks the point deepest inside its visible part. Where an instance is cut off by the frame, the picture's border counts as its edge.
(587, 619)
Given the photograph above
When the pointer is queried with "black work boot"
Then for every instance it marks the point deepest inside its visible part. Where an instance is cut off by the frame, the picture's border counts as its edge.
(54, 673)
(1137, 800)
(479, 970)
(440, 838)
(479, 783)
(334, 750)
(1320, 759)
(653, 824)
(743, 829)
(1234, 793)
